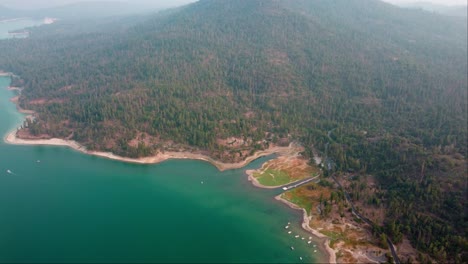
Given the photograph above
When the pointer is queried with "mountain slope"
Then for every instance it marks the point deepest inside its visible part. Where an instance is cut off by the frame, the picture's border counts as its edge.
(229, 77)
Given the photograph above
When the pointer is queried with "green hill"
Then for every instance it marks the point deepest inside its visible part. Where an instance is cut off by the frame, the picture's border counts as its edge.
(391, 82)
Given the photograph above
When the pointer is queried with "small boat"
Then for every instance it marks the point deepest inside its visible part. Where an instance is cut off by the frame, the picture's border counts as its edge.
(286, 227)
(315, 251)
(292, 248)
(315, 245)
(38, 161)
(296, 236)
(310, 238)
(302, 238)
(202, 182)
(289, 232)
(300, 258)
(289, 223)
(308, 242)
(9, 172)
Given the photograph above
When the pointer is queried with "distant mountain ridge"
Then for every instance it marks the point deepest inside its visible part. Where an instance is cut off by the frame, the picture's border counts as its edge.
(83, 10)
(460, 10)
(80, 10)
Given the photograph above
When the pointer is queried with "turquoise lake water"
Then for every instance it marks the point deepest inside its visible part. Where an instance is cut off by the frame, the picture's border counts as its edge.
(71, 207)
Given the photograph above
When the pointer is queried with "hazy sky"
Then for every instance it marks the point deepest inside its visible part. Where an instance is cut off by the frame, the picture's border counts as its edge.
(167, 3)
(441, 2)
(31, 4)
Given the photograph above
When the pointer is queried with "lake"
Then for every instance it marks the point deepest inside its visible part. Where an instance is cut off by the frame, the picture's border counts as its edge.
(58, 205)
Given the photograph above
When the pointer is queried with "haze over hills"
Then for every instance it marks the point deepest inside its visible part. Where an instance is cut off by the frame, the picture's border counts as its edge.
(226, 78)
(6, 13)
(84, 10)
(47, 4)
(80, 10)
(459, 10)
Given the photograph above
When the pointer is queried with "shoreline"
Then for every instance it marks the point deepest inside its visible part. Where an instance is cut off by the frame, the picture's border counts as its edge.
(13, 19)
(18, 107)
(12, 139)
(305, 225)
(257, 184)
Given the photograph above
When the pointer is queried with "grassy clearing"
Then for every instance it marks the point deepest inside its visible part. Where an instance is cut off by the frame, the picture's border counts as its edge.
(296, 197)
(307, 196)
(285, 170)
(271, 177)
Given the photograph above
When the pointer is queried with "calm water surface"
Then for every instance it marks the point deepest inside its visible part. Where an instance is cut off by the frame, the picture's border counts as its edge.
(71, 207)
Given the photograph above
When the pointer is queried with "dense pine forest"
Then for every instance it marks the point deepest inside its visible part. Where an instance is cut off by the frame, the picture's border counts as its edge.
(227, 78)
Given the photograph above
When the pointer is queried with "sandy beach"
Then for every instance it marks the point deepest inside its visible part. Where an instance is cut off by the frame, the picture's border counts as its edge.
(305, 224)
(11, 138)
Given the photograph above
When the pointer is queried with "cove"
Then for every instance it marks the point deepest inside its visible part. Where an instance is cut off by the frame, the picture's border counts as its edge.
(58, 205)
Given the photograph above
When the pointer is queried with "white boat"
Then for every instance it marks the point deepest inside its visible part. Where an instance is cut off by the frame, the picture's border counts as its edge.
(286, 227)
(300, 258)
(315, 251)
(315, 245)
(310, 238)
(296, 236)
(9, 172)
(308, 242)
(292, 248)
(38, 161)
(285, 188)
(289, 232)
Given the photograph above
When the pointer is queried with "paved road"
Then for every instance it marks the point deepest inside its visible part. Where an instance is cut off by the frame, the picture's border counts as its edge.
(300, 183)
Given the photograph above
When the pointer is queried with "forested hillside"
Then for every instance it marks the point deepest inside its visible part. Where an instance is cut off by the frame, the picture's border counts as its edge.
(230, 77)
